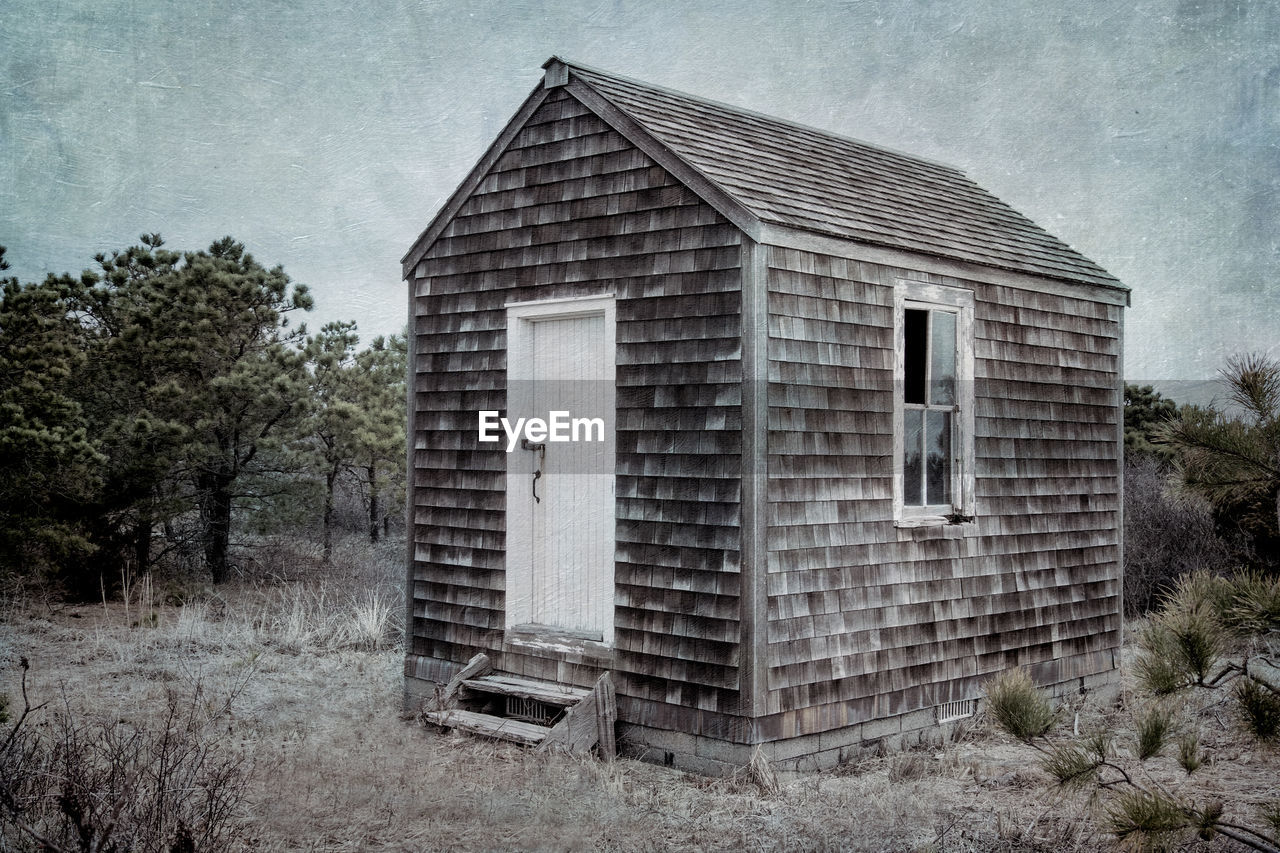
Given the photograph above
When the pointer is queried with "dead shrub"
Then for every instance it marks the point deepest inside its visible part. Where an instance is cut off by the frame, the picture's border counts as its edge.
(759, 774)
(1168, 533)
(374, 622)
(80, 782)
(909, 766)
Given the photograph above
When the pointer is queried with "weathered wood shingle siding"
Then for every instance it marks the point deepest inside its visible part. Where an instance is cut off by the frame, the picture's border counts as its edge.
(867, 620)
(675, 204)
(572, 209)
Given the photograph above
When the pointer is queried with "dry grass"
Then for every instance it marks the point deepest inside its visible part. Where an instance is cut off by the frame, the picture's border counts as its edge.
(308, 665)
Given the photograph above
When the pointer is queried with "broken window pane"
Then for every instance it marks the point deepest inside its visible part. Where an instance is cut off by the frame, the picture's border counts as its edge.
(914, 357)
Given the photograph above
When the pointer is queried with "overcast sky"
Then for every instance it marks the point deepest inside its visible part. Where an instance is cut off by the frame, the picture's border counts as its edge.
(324, 137)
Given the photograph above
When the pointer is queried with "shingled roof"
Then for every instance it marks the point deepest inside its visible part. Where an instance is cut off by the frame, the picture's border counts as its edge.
(785, 174)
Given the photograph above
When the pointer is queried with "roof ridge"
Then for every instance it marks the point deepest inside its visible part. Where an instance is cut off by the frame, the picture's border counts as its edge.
(755, 114)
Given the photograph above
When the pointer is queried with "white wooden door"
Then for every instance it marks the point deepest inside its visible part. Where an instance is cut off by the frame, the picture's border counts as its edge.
(560, 498)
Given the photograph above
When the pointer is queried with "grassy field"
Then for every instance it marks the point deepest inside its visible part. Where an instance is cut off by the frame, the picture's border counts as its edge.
(288, 680)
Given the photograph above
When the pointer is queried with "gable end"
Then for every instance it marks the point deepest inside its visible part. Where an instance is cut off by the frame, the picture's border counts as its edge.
(471, 181)
(628, 128)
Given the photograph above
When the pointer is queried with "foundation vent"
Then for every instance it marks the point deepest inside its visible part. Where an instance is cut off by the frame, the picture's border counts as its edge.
(958, 710)
(530, 710)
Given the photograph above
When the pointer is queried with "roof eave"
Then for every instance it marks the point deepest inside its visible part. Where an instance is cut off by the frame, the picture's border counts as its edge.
(1109, 290)
(756, 114)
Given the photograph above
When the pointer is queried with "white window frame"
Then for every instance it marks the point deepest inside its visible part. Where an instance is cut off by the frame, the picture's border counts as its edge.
(959, 301)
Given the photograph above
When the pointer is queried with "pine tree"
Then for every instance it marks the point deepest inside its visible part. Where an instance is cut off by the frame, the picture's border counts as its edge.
(357, 425)
(1145, 409)
(1233, 459)
(338, 418)
(48, 464)
(193, 378)
(382, 446)
(245, 376)
(158, 384)
(136, 401)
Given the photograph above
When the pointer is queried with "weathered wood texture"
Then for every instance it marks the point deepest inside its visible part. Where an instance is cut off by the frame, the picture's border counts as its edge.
(867, 620)
(572, 209)
(587, 720)
(546, 692)
(588, 724)
(529, 734)
(805, 178)
(447, 696)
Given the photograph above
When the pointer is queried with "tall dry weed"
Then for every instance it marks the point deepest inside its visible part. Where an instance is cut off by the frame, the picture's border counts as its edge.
(373, 622)
(93, 781)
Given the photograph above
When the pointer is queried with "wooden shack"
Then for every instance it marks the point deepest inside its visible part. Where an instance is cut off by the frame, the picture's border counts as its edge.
(864, 427)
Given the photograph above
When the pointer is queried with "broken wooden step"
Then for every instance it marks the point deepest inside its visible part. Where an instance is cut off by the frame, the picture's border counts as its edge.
(538, 713)
(549, 693)
(502, 728)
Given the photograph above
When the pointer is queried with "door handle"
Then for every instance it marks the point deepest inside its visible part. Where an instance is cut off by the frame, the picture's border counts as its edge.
(542, 454)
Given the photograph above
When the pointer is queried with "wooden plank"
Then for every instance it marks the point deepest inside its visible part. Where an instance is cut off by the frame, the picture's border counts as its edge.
(606, 716)
(541, 691)
(754, 330)
(577, 731)
(448, 697)
(500, 728)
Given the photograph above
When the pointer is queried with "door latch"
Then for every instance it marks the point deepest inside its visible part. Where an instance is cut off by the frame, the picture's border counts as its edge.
(525, 444)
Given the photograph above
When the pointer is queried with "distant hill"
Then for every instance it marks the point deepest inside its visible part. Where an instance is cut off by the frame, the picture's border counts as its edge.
(1200, 392)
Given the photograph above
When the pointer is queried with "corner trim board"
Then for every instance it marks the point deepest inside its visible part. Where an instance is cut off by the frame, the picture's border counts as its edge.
(410, 390)
(754, 600)
(1120, 543)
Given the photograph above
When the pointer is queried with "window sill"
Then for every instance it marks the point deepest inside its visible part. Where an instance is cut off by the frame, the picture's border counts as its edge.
(935, 527)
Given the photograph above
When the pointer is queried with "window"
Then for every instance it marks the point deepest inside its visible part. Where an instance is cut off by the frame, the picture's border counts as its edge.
(933, 403)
